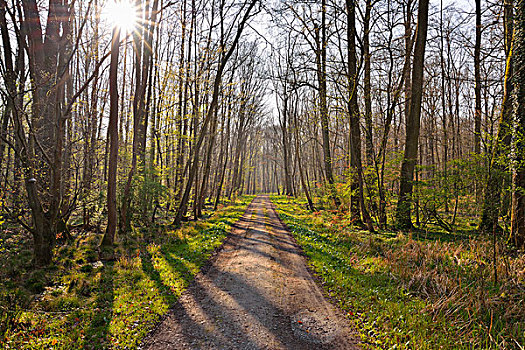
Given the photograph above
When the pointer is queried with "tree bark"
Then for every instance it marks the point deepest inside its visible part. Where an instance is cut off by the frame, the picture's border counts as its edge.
(143, 44)
(43, 147)
(492, 200)
(321, 41)
(477, 77)
(403, 210)
(518, 181)
(353, 111)
(300, 164)
(367, 86)
(109, 237)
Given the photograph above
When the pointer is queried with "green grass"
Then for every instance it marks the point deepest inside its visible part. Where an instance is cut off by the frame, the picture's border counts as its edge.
(81, 303)
(427, 290)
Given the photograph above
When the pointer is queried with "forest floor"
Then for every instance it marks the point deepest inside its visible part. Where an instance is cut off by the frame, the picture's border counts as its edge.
(79, 302)
(255, 294)
(425, 289)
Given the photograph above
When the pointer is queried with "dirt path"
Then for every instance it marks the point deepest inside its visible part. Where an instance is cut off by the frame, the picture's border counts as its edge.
(257, 294)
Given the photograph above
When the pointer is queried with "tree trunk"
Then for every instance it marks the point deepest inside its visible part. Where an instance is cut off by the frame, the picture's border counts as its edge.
(518, 181)
(477, 77)
(321, 42)
(492, 200)
(284, 114)
(226, 157)
(443, 107)
(215, 94)
(43, 149)
(353, 111)
(299, 162)
(207, 166)
(367, 86)
(109, 237)
(143, 44)
(403, 211)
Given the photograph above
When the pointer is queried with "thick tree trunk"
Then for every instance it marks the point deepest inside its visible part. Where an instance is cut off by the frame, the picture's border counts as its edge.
(518, 180)
(408, 56)
(43, 149)
(403, 211)
(492, 200)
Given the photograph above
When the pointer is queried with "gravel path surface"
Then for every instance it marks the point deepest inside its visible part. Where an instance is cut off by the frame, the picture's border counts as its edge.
(256, 294)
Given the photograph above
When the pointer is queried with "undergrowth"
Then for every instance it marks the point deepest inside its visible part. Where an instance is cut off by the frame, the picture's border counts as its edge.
(80, 302)
(427, 290)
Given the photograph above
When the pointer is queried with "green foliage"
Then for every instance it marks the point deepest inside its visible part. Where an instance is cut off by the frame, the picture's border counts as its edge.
(430, 290)
(443, 195)
(12, 302)
(95, 305)
(147, 192)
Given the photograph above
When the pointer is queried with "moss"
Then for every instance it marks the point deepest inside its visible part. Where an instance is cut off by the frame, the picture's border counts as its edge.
(116, 303)
(36, 282)
(429, 290)
(87, 268)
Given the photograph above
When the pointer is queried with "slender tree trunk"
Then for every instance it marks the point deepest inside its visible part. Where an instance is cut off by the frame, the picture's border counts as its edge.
(215, 94)
(353, 111)
(286, 146)
(477, 77)
(10, 78)
(207, 166)
(143, 62)
(226, 156)
(321, 41)
(443, 107)
(367, 86)
(109, 236)
(298, 157)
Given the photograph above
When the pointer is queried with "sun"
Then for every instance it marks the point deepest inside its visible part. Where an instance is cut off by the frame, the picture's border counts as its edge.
(122, 14)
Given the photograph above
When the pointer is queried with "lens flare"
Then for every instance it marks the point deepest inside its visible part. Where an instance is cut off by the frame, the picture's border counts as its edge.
(121, 14)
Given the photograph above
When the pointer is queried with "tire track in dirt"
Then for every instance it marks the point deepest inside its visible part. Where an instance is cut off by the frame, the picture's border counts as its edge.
(256, 294)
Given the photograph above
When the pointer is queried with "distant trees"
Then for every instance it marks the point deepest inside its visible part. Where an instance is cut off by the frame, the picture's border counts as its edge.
(55, 125)
(438, 111)
(360, 106)
(181, 211)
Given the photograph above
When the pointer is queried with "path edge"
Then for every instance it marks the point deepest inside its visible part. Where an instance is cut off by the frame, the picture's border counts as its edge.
(318, 280)
(204, 269)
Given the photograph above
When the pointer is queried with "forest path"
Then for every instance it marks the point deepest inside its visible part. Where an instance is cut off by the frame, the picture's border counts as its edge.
(256, 294)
